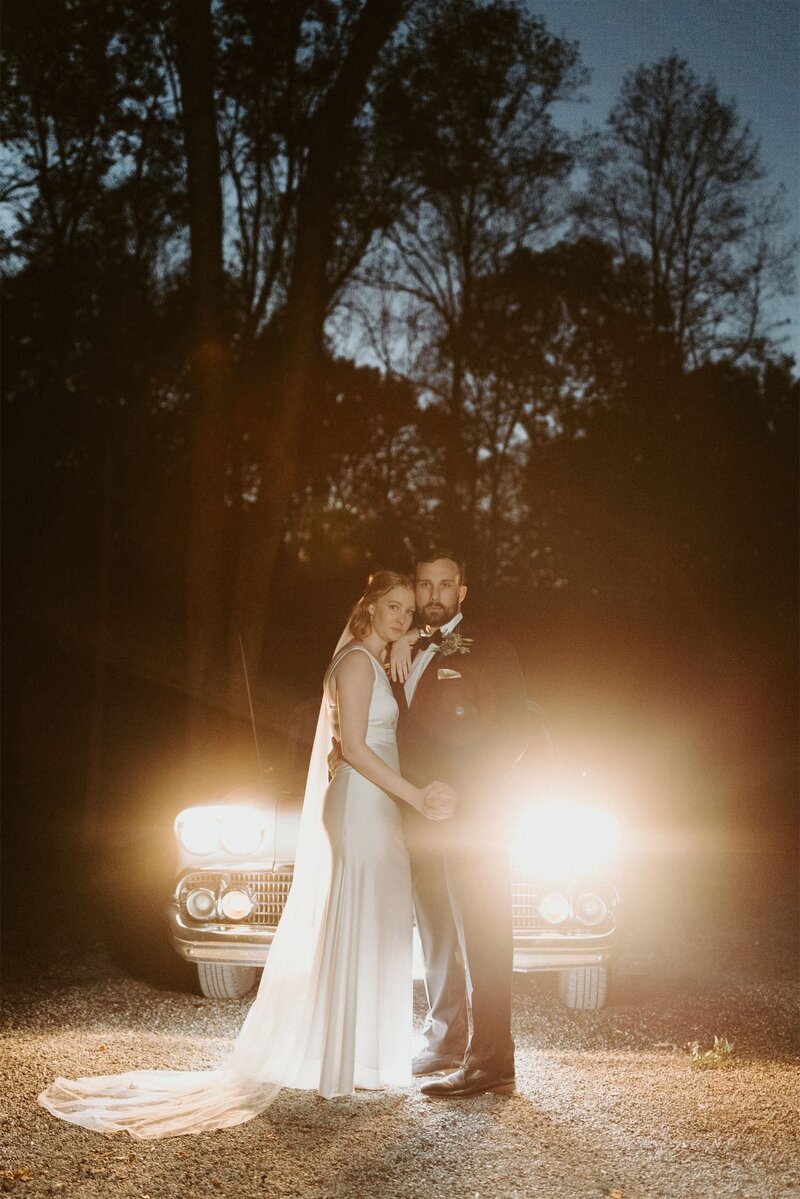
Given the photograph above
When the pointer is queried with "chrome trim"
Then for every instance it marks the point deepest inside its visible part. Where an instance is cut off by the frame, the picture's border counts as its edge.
(234, 866)
(233, 955)
(554, 938)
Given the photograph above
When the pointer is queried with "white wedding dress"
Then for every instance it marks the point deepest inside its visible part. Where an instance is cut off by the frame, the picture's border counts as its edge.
(334, 1008)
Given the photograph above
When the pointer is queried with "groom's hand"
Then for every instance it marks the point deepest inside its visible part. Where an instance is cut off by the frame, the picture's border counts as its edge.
(400, 656)
(335, 757)
(439, 801)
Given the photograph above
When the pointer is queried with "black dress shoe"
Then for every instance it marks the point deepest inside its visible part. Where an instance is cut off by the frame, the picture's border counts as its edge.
(432, 1063)
(470, 1080)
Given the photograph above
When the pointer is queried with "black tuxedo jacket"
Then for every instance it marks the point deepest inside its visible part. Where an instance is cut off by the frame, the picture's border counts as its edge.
(468, 730)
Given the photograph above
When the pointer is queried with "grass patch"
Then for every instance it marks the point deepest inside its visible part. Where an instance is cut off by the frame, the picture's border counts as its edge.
(719, 1058)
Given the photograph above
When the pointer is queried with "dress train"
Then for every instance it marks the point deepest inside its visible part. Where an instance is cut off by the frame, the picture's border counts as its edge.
(333, 1009)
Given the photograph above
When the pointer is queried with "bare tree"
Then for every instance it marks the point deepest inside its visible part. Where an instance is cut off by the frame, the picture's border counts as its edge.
(236, 543)
(469, 101)
(674, 181)
(277, 416)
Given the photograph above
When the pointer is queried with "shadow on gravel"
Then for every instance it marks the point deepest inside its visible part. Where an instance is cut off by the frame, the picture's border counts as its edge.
(388, 1138)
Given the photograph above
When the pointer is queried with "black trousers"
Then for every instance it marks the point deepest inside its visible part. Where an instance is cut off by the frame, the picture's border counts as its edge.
(462, 902)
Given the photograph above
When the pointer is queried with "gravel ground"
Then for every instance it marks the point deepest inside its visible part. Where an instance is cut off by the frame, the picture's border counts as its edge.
(607, 1103)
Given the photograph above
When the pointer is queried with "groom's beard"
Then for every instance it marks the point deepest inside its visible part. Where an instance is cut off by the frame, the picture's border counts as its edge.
(435, 615)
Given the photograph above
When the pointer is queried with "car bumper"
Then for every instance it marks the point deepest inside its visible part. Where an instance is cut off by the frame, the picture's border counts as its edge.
(248, 945)
(557, 951)
(241, 945)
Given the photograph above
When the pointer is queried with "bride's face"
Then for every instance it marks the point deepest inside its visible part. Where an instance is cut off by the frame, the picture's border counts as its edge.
(392, 613)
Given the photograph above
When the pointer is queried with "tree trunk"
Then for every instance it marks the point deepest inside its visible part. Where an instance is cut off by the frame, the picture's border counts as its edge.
(282, 413)
(206, 609)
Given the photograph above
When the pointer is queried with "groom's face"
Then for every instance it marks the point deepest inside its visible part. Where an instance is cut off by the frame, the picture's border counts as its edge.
(438, 591)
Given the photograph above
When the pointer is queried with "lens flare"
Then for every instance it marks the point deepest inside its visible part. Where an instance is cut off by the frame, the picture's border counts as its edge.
(235, 829)
(242, 831)
(198, 829)
(564, 840)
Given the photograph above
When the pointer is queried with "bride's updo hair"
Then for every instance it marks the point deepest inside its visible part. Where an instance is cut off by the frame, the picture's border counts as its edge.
(379, 585)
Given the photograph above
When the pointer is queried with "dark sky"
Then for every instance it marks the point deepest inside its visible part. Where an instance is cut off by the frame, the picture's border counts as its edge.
(751, 47)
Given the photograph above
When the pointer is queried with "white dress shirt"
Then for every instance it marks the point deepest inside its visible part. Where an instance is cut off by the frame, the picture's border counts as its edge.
(424, 658)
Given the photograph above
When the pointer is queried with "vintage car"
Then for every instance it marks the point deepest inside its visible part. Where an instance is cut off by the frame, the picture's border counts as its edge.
(235, 866)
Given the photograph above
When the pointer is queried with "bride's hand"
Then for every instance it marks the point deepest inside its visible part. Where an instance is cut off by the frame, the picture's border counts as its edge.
(400, 655)
(439, 801)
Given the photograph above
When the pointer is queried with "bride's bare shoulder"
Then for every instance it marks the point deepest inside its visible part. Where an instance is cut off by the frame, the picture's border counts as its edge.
(352, 667)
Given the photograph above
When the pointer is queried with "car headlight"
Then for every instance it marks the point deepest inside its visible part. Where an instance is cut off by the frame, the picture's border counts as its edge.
(235, 829)
(555, 908)
(236, 904)
(564, 840)
(242, 831)
(590, 908)
(198, 830)
(200, 903)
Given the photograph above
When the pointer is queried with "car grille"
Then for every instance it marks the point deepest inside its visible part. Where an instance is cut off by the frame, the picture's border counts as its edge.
(270, 888)
(524, 898)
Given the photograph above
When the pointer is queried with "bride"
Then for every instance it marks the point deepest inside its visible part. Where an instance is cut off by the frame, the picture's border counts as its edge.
(333, 1010)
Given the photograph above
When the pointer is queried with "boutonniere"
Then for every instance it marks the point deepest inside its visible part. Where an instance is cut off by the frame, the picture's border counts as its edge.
(454, 643)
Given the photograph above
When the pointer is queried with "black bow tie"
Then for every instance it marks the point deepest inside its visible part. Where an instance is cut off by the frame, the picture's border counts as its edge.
(434, 639)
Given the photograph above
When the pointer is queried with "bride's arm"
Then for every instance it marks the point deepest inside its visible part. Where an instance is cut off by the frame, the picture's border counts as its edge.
(400, 656)
(352, 683)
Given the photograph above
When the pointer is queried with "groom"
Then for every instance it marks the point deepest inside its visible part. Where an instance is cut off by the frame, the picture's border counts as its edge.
(463, 718)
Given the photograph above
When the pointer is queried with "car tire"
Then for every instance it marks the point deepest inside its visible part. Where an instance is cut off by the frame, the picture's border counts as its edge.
(583, 987)
(218, 980)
